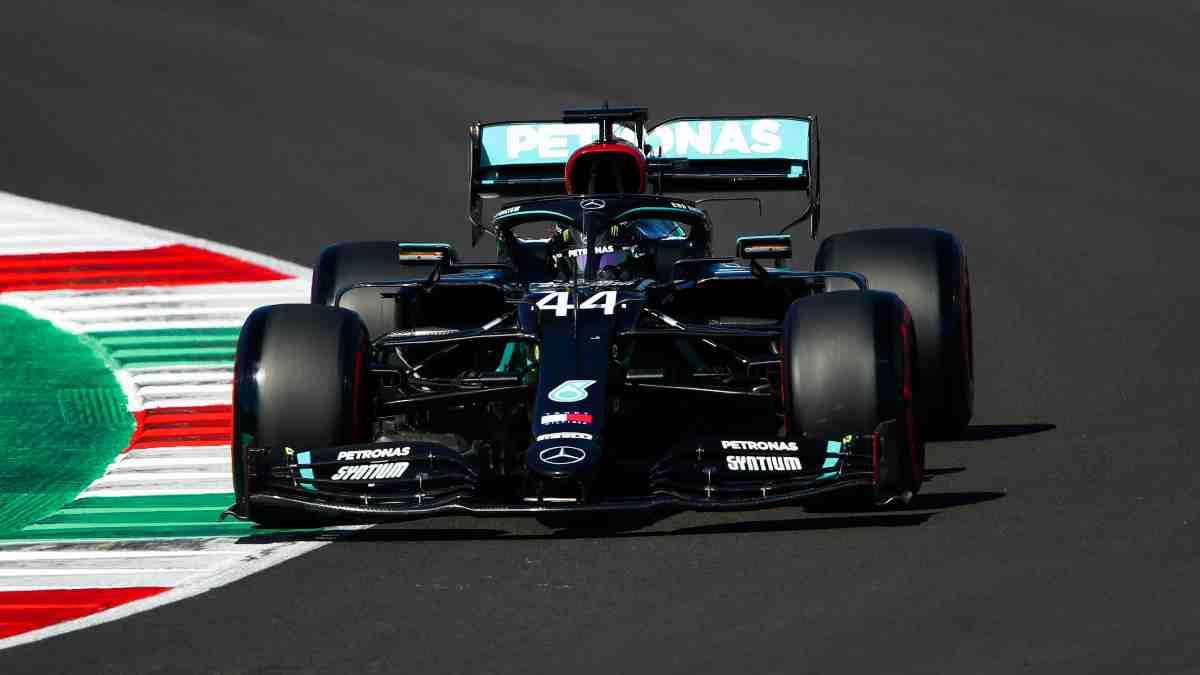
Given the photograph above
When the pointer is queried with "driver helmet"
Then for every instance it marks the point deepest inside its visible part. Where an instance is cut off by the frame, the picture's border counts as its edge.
(614, 249)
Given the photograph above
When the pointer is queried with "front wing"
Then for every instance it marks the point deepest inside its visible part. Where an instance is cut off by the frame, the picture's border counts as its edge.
(392, 481)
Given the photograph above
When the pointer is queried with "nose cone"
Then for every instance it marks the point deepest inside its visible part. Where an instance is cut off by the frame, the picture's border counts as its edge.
(567, 431)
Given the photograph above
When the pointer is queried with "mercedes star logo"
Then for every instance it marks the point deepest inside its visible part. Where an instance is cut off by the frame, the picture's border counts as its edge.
(562, 454)
(592, 204)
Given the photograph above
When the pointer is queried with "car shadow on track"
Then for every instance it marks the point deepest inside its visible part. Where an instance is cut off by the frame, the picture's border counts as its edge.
(922, 508)
(393, 533)
(930, 474)
(992, 432)
(921, 502)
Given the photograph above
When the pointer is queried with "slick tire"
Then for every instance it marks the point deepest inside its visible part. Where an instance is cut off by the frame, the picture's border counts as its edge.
(928, 270)
(341, 266)
(300, 380)
(847, 368)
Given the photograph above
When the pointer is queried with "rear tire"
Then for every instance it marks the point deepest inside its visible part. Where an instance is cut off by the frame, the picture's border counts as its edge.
(848, 367)
(341, 266)
(300, 381)
(928, 270)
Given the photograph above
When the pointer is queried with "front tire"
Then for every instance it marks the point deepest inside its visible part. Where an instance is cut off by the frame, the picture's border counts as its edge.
(847, 368)
(300, 380)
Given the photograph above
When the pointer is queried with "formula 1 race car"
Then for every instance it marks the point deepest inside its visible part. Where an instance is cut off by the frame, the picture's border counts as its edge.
(607, 363)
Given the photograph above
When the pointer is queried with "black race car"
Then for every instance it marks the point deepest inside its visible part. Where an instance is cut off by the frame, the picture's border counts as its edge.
(607, 363)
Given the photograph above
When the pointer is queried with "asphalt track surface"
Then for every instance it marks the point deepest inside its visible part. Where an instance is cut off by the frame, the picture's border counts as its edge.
(1059, 143)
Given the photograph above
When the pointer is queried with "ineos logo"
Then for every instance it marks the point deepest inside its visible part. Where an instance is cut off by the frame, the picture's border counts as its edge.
(562, 454)
(591, 204)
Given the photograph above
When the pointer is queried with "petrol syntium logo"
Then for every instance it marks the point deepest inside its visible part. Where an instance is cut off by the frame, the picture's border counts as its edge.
(371, 471)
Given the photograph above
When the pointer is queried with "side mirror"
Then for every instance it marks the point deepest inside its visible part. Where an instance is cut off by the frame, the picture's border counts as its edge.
(413, 252)
(774, 246)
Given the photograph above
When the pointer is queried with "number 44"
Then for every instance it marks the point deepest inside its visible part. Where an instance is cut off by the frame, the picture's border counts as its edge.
(560, 302)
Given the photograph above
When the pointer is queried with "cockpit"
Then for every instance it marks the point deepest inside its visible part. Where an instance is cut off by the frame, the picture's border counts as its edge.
(620, 238)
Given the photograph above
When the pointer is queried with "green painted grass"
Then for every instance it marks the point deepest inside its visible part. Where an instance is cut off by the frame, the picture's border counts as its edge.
(62, 417)
(163, 517)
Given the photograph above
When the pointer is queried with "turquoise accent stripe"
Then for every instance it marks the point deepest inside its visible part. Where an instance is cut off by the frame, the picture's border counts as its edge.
(655, 208)
(508, 354)
(552, 214)
(306, 458)
(832, 447)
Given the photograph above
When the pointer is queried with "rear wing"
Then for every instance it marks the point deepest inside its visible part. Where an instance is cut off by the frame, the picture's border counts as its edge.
(684, 154)
(746, 154)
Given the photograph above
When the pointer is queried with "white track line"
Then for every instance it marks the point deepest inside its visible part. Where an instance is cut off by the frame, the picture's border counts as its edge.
(165, 491)
(141, 297)
(228, 321)
(25, 556)
(161, 564)
(267, 557)
(182, 402)
(41, 242)
(134, 314)
(158, 476)
(137, 463)
(112, 571)
(215, 482)
(192, 377)
(181, 368)
(216, 391)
